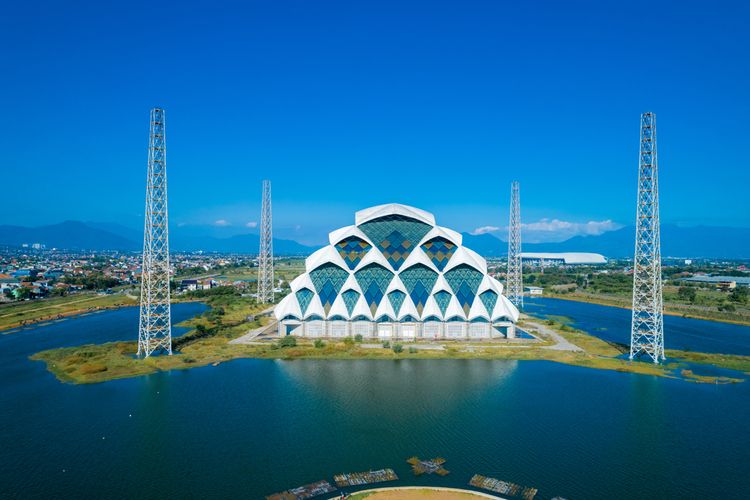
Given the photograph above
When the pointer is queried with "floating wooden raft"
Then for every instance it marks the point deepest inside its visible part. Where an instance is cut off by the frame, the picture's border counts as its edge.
(502, 487)
(369, 477)
(303, 492)
(433, 466)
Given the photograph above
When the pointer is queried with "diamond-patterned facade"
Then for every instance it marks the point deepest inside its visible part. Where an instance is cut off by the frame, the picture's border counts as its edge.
(395, 236)
(350, 299)
(397, 300)
(489, 299)
(328, 280)
(440, 251)
(464, 280)
(419, 280)
(304, 297)
(373, 280)
(353, 249)
(442, 298)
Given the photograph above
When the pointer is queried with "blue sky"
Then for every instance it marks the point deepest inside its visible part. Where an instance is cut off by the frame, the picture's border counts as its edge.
(350, 104)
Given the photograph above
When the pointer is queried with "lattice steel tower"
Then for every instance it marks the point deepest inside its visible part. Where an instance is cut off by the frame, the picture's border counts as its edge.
(514, 279)
(647, 329)
(155, 326)
(265, 257)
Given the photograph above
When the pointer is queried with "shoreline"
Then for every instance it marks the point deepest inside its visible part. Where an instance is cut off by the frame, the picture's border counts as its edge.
(667, 312)
(94, 363)
(8, 330)
(461, 491)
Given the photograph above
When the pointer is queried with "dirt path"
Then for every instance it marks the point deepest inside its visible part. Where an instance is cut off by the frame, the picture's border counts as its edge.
(562, 344)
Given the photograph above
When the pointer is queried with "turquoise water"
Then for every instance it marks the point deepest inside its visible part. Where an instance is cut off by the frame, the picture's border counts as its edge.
(613, 324)
(248, 428)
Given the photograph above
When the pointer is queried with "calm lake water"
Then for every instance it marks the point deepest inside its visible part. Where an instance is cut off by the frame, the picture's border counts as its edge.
(613, 324)
(248, 428)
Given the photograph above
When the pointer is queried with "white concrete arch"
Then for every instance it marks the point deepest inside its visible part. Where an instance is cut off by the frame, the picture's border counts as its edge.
(361, 308)
(302, 281)
(338, 308)
(408, 308)
(431, 309)
(417, 256)
(374, 257)
(379, 211)
(449, 234)
(315, 308)
(325, 255)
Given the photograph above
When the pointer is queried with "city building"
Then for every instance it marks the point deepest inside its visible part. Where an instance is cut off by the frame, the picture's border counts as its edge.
(721, 282)
(550, 259)
(395, 274)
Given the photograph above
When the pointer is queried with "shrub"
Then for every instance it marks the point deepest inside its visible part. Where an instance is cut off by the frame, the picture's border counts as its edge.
(386, 345)
(288, 341)
(397, 348)
(412, 350)
(727, 308)
(348, 341)
(319, 344)
(358, 338)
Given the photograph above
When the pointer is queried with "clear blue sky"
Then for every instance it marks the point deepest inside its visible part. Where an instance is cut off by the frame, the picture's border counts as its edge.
(350, 104)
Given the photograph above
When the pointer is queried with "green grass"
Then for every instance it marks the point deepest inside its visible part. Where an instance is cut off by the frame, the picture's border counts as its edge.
(209, 344)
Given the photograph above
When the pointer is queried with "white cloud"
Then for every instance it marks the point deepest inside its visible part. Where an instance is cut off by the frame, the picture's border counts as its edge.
(592, 227)
(222, 222)
(549, 230)
(252, 224)
(560, 230)
(485, 230)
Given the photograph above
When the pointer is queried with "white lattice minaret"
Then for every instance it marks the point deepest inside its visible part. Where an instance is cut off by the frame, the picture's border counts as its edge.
(647, 329)
(514, 279)
(265, 257)
(155, 325)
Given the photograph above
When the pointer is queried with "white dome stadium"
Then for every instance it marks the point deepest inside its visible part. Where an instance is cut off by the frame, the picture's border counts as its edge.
(396, 274)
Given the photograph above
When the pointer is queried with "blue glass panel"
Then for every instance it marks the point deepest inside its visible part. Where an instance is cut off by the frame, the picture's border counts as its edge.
(395, 236)
(350, 299)
(352, 250)
(464, 281)
(304, 297)
(373, 279)
(397, 299)
(419, 280)
(443, 298)
(440, 251)
(489, 299)
(328, 280)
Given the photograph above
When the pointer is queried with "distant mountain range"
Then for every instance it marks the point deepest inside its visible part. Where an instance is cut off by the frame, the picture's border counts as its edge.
(687, 242)
(75, 235)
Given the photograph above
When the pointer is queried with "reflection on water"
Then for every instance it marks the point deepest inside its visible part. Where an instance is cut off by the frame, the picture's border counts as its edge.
(250, 427)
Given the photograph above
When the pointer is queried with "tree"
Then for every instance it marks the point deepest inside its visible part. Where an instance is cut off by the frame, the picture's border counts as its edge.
(687, 293)
(740, 295)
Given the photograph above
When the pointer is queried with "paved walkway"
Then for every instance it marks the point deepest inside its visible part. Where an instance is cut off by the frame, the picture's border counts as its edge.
(250, 336)
(562, 343)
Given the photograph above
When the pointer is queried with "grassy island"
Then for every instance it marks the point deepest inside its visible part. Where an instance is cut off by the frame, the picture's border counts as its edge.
(209, 342)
